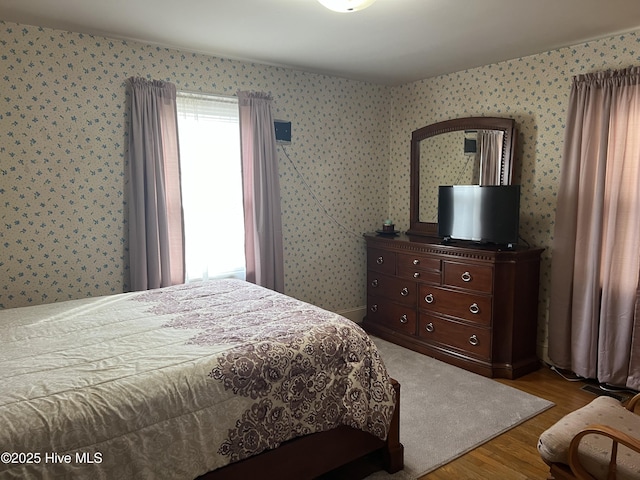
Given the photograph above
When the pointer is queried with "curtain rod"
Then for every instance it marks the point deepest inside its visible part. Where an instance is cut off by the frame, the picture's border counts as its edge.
(195, 92)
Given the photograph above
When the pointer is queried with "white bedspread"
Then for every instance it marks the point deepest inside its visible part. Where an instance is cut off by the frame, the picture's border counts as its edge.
(175, 382)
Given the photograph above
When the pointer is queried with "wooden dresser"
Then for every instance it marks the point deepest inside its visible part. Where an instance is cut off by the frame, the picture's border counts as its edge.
(473, 306)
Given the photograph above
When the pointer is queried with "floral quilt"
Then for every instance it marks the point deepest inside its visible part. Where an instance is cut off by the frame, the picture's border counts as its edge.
(179, 381)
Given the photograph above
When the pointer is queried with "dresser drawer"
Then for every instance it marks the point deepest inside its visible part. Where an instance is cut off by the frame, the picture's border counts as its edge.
(478, 278)
(397, 317)
(468, 306)
(421, 268)
(469, 339)
(381, 261)
(399, 290)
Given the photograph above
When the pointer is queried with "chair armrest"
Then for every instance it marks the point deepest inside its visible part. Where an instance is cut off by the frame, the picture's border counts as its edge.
(631, 404)
(617, 436)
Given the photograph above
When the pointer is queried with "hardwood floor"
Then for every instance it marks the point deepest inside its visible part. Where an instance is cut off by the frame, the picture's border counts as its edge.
(513, 455)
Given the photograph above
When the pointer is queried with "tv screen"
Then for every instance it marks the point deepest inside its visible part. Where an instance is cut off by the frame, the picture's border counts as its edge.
(481, 213)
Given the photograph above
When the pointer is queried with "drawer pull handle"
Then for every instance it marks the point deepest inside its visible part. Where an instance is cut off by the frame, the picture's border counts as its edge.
(474, 308)
(473, 340)
(429, 298)
(466, 277)
(374, 307)
(404, 292)
(416, 275)
(374, 284)
(380, 260)
(416, 262)
(404, 319)
(429, 327)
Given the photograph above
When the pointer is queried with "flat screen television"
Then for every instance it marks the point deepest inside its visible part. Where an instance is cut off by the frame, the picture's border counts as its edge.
(484, 214)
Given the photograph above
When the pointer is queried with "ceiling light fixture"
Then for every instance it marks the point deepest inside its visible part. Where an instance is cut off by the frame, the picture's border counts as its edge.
(346, 6)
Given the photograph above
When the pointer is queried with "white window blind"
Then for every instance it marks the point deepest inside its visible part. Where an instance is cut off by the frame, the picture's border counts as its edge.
(209, 137)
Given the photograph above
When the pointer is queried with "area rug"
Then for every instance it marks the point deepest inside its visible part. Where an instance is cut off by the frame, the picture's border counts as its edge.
(446, 411)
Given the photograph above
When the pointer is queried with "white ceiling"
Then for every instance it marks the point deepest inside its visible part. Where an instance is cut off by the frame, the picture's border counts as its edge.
(392, 42)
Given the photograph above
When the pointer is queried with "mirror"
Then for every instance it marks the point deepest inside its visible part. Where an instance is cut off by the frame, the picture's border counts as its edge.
(464, 151)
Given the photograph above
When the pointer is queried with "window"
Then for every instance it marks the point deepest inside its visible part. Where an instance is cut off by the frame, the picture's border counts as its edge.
(209, 136)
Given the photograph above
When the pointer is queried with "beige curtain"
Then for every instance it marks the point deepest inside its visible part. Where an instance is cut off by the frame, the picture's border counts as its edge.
(490, 155)
(595, 262)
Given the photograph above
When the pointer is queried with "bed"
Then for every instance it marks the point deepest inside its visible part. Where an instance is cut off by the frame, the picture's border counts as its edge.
(222, 378)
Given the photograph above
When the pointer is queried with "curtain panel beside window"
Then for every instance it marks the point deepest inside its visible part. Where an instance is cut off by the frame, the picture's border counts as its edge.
(156, 246)
(261, 189)
(596, 250)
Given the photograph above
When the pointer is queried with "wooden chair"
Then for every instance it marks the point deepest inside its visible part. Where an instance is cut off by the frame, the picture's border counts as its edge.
(600, 441)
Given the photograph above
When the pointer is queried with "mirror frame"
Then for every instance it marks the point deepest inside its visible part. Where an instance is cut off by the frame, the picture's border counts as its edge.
(507, 125)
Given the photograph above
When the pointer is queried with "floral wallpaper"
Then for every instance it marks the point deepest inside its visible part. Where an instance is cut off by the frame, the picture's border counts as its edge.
(63, 120)
(63, 206)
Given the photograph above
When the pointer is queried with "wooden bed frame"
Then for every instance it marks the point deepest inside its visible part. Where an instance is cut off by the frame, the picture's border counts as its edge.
(311, 456)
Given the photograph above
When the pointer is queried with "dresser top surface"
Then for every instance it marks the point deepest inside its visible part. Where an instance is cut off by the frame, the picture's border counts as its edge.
(436, 245)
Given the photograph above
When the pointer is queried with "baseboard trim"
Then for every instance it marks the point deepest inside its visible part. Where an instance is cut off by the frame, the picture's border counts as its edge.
(354, 314)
